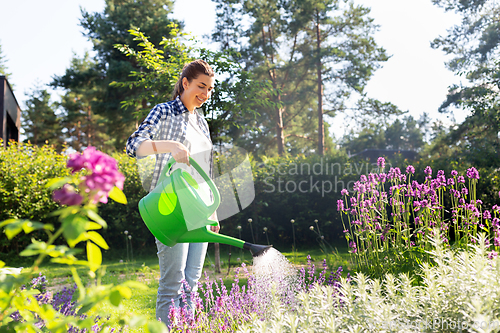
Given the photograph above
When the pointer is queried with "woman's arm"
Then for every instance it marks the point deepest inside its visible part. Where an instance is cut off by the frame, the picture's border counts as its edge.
(179, 152)
(140, 143)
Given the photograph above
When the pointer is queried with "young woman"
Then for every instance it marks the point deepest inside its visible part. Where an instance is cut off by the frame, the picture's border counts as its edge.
(176, 130)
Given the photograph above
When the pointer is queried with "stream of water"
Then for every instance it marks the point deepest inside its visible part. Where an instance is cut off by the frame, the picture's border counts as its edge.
(275, 275)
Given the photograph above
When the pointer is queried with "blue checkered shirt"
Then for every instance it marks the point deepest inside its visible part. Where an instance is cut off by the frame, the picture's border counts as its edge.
(166, 121)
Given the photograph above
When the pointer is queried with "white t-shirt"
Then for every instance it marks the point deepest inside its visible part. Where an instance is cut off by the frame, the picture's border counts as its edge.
(200, 148)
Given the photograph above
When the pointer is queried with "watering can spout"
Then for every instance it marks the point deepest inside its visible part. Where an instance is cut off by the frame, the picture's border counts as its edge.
(205, 235)
(256, 249)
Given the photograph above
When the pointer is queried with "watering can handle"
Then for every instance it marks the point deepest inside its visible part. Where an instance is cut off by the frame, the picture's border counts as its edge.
(197, 167)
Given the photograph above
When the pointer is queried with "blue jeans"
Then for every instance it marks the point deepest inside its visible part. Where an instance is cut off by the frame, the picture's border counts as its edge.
(183, 261)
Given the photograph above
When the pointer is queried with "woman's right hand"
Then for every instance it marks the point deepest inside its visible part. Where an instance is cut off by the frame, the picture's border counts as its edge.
(180, 153)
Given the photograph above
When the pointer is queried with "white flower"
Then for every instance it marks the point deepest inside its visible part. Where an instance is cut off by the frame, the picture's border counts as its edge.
(238, 227)
(126, 232)
(292, 220)
(250, 220)
(129, 236)
(311, 228)
(265, 228)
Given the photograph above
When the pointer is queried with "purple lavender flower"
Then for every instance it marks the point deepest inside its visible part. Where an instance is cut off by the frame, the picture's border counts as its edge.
(340, 205)
(428, 171)
(381, 162)
(344, 191)
(487, 215)
(454, 173)
(352, 245)
(410, 169)
(461, 179)
(472, 173)
(382, 177)
(394, 173)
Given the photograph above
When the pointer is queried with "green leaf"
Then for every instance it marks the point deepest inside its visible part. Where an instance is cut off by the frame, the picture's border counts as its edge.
(97, 238)
(73, 227)
(124, 291)
(65, 261)
(154, 326)
(137, 321)
(117, 195)
(57, 182)
(95, 217)
(72, 242)
(93, 226)
(135, 285)
(115, 297)
(94, 256)
(35, 248)
(14, 226)
(78, 281)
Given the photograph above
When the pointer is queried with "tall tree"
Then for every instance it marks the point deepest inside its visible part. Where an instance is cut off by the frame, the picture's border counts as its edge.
(402, 134)
(339, 44)
(105, 30)
(299, 46)
(40, 121)
(271, 55)
(82, 126)
(475, 47)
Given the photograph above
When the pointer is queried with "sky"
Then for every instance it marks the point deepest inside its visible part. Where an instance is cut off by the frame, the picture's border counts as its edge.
(42, 43)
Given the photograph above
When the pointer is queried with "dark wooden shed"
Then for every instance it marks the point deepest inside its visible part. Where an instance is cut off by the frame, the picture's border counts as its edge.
(10, 113)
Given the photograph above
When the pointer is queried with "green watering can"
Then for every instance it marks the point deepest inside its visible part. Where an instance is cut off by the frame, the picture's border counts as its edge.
(175, 212)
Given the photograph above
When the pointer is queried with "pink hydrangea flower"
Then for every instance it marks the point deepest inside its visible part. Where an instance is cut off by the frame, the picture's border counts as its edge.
(103, 177)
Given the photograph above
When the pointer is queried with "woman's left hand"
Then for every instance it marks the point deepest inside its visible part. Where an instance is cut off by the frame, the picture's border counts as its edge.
(215, 228)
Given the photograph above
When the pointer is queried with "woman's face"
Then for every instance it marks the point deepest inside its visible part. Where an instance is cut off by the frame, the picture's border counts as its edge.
(197, 92)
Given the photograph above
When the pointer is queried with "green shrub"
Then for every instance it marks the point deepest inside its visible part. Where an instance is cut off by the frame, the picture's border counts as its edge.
(24, 172)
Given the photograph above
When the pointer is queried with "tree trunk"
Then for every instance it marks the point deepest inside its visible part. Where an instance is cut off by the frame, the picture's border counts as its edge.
(89, 126)
(217, 257)
(279, 130)
(321, 128)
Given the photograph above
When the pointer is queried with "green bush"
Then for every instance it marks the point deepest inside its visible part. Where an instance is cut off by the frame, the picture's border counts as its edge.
(24, 172)
(301, 188)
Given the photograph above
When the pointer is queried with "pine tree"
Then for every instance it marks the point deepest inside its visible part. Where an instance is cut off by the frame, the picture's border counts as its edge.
(40, 121)
(3, 66)
(105, 30)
